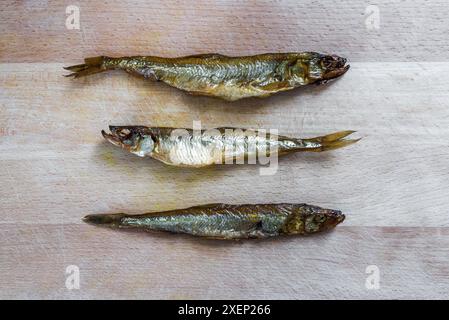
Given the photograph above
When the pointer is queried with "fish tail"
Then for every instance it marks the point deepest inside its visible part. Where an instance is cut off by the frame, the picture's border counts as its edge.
(114, 220)
(90, 66)
(328, 142)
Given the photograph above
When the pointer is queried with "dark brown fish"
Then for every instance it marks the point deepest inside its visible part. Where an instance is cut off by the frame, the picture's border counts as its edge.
(225, 221)
(229, 78)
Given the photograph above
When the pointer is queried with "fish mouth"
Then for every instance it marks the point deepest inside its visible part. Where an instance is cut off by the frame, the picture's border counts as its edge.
(122, 136)
(138, 140)
(335, 73)
(112, 138)
(335, 67)
(117, 140)
(333, 218)
(336, 217)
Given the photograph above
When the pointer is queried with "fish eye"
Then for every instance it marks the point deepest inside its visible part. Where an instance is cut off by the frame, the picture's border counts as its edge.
(124, 132)
(320, 218)
(328, 62)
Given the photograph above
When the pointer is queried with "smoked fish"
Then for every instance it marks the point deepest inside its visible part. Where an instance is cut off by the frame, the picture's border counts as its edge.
(229, 78)
(225, 221)
(190, 148)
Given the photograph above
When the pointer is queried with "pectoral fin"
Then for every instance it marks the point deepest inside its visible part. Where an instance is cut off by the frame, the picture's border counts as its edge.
(276, 87)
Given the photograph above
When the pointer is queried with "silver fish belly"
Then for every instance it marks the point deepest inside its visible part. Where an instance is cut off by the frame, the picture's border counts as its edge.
(199, 148)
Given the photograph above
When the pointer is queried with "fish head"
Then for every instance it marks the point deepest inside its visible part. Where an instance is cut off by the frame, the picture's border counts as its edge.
(323, 68)
(135, 139)
(316, 219)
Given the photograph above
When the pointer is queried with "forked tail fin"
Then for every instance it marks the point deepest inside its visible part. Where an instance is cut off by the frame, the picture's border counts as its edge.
(113, 220)
(91, 66)
(328, 142)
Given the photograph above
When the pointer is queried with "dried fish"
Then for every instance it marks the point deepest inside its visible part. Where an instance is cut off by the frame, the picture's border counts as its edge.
(199, 148)
(225, 221)
(229, 78)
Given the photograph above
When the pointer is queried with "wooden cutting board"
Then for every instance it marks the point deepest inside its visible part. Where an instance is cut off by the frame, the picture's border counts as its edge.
(55, 167)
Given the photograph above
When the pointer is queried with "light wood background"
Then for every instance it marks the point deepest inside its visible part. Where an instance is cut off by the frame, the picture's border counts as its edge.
(55, 167)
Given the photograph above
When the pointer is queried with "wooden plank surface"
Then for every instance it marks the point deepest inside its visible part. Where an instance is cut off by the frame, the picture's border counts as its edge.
(414, 30)
(117, 265)
(56, 168)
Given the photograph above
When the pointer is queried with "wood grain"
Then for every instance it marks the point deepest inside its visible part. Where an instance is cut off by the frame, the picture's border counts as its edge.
(115, 265)
(55, 167)
(409, 30)
(53, 154)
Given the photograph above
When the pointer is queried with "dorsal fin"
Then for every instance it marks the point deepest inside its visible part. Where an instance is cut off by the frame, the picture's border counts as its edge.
(206, 56)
